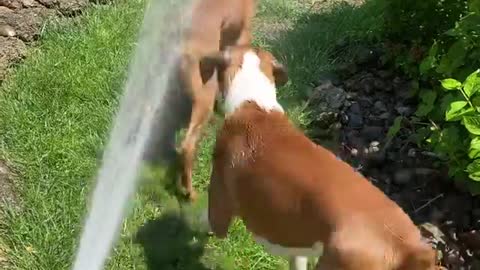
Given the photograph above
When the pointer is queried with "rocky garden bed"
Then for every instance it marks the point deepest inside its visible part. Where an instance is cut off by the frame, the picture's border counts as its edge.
(365, 106)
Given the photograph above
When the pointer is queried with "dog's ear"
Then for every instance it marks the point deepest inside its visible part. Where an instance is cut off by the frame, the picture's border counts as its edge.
(279, 73)
(216, 61)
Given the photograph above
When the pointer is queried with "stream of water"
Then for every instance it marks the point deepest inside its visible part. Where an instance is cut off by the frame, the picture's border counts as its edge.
(152, 65)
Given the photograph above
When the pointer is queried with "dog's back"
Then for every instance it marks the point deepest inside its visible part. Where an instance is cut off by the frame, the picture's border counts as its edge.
(219, 23)
(297, 194)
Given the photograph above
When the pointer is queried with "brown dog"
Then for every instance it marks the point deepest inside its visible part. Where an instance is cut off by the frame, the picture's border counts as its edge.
(296, 197)
(215, 25)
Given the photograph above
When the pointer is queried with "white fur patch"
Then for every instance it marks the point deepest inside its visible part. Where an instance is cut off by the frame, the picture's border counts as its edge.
(251, 84)
(315, 251)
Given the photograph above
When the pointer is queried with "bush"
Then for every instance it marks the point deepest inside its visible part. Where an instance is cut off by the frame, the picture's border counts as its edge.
(447, 77)
(414, 20)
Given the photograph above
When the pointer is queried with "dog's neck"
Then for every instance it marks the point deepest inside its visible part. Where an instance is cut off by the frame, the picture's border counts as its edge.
(251, 84)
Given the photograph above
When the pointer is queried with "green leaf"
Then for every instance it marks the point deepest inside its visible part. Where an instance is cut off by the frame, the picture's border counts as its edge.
(473, 170)
(395, 128)
(472, 84)
(426, 105)
(451, 84)
(454, 58)
(430, 61)
(456, 109)
(474, 150)
(472, 124)
(476, 102)
(474, 6)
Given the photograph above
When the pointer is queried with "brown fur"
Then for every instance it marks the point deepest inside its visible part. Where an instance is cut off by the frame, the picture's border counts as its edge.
(294, 193)
(216, 24)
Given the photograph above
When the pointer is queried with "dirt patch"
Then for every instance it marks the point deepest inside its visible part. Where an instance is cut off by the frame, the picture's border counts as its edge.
(21, 22)
(8, 198)
(356, 105)
(7, 192)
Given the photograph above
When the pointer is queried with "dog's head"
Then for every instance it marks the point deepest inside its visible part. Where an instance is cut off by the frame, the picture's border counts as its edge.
(228, 62)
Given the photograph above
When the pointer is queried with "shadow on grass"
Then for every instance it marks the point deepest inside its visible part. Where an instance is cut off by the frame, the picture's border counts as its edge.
(307, 43)
(169, 242)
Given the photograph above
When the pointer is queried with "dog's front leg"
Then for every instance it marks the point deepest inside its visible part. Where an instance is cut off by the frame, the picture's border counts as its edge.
(298, 263)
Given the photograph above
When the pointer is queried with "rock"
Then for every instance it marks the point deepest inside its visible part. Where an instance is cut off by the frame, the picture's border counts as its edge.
(404, 110)
(326, 119)
(379, 106)
(11, 50)
(355, 121)
(18, 4)
(355, 108)
(7, 31)
(384, 116)
(69, 7)
(26, 22)
(365, 102)
(344, 118)
(366, 84)
(432, 232)
(402, 177)
(30, 3)
(12, 4)
(379, 84)
(372, 133)
(328, 98)
(49, 3)
(384, 74)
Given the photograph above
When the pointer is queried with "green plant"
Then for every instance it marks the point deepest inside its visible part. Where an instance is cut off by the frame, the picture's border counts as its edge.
(431, 41)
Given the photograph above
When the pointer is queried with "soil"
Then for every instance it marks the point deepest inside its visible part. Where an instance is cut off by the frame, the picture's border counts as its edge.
(355, 106)
(9, 199)
(21, 22)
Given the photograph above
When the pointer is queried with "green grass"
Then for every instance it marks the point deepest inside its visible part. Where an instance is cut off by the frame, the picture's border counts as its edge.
(56, 110)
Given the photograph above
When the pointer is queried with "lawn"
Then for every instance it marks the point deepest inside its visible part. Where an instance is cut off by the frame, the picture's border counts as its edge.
(55, 114)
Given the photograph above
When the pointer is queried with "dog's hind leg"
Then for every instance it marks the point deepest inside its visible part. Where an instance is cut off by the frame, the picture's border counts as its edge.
(203, 100)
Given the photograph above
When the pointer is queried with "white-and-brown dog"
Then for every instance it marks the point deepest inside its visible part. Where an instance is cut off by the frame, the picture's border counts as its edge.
(296, 197)
(215, 24)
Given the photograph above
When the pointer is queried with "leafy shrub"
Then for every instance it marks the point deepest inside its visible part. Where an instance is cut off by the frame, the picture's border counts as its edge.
(414, 20)
(447, 77)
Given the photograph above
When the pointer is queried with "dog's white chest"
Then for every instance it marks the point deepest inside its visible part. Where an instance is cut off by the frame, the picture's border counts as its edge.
(315, 251)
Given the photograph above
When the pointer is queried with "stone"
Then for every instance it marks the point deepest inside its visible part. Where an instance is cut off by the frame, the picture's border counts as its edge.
(12, 4)
(18, 4)
(404, 110)
(355, 121)
(384, 74)
(328, 98)
(372, 133)
(69, 7)
(26, 22)
(379, 106)
(355, 108)
(402, 177)
(384, 116)
(7, 31)
(379, 84)
(48, 3)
